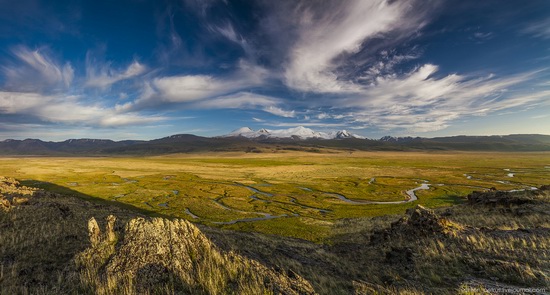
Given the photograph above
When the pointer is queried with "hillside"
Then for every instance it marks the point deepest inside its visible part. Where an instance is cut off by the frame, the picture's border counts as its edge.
(187, 143)
(51, 243)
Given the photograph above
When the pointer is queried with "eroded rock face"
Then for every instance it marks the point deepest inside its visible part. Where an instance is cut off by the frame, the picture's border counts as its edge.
(160, 254)
(94, 232)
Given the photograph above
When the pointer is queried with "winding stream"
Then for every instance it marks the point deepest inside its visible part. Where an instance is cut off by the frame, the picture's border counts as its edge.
(266, 216)
(255, 190)
(190, 214)
(410, 193)
(411, 197)
(293, 200)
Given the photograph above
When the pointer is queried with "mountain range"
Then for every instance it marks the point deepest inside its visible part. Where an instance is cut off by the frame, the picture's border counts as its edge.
(264, 140)
(299, 132)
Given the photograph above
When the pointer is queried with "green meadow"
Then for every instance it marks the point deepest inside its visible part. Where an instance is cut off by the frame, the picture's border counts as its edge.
(291, 194)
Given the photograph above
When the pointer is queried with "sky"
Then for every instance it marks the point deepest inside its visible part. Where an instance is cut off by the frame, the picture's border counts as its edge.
(137, 69)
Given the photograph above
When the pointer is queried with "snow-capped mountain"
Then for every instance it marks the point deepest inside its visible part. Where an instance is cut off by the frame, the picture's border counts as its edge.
(342, 134)
(388, 138)
(300, 132)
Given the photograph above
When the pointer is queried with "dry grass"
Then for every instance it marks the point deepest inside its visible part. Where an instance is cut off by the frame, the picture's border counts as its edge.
(473, 249)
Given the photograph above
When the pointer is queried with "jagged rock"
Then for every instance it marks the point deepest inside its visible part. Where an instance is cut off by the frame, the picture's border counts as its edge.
(94, 232)
(4, 204)
(155, 254)
(424, 221)
(418, 221)
(110, 235)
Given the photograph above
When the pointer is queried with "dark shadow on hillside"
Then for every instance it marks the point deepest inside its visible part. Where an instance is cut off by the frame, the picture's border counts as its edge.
(63, 190)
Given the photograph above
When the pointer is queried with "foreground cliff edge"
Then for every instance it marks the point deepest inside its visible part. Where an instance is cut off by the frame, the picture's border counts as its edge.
(58, 244)
(173, 256)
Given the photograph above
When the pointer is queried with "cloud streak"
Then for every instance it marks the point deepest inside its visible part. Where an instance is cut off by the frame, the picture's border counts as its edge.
(240, 100)
(35, 71)
(540, 29)
(188, 89)
(67, 109)
(105, 76)
(420, 102)
(326, 32)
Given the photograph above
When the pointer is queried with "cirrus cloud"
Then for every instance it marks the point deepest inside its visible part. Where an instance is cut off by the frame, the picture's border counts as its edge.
(33, 70)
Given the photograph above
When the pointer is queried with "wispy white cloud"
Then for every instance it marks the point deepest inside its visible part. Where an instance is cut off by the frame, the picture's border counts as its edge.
(322, 116)
(540, 116)
(386, 64)
(340, 29)
(420, 102)
(103, 76)
(240, 100)
(228, 32)
(306, 124)
(539, 29)
(34, 70)
(481, 36)
(190, 87)
(187, 89)
(280, 112)
(67, 109)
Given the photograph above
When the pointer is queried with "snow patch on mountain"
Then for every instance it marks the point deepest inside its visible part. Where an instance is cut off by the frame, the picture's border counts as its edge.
(300, 132)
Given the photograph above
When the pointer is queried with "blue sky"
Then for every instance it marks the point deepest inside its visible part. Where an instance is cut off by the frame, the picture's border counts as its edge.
(147, 69)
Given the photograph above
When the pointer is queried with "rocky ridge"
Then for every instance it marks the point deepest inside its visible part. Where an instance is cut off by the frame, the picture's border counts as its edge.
(418, 222)
(156, 255)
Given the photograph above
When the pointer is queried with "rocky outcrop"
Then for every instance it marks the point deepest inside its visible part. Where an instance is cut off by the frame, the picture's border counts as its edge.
(423, 221)
(418, 222)
(12, 193)
(507, 199)
(157, 255)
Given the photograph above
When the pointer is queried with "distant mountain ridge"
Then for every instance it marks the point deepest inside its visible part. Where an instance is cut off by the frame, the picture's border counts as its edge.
(388, 138)
(264, 140)
(299, 132)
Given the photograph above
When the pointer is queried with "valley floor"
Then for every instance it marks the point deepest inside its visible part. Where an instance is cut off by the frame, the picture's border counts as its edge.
(294, 194)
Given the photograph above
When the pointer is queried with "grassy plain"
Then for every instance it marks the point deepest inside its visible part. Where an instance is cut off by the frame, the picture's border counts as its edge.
(292, 191)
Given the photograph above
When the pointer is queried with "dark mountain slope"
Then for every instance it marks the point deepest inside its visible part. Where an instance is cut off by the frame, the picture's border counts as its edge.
(187, 143)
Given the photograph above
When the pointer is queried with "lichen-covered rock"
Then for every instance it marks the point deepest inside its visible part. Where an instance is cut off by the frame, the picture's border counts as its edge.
(157, 255)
